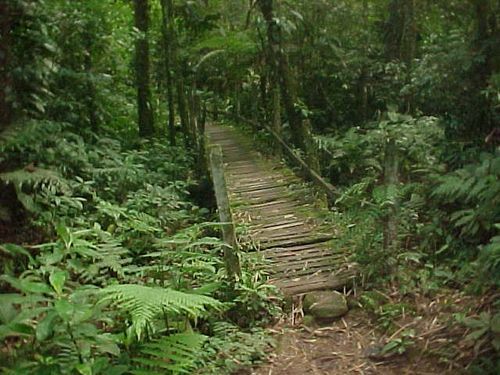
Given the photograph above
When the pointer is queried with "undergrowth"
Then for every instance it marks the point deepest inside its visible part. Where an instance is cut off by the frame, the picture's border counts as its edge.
(129, 278)
(446, 219)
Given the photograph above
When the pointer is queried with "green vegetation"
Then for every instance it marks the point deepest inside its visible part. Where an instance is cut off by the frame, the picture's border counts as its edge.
(124, 274)
(110, 254)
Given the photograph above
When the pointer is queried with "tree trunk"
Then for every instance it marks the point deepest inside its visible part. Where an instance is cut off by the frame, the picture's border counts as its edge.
(401, 31)
(401, 38)
(363, 78)
(276, 111)
(485, 47)
(91, 93)
(168, 33)
(193, 115)
(264, 102)
(145, 110)
(281, 68)
(5, 77)
(409, 36)
(237, 99)
(183, 108)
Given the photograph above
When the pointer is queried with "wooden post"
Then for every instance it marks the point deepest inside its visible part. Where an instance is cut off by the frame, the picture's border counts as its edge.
(228, 233)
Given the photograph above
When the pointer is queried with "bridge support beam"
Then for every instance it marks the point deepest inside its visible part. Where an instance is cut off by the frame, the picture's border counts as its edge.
(228, 232)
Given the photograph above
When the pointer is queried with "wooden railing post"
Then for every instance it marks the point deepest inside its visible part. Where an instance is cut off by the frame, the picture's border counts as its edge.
(228, 232)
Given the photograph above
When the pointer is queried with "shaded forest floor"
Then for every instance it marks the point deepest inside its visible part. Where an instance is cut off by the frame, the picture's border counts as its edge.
(341, 348)
(352, 344)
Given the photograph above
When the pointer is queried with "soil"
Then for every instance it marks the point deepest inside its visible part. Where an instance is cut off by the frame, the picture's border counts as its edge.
(351, 345)
(343, 347)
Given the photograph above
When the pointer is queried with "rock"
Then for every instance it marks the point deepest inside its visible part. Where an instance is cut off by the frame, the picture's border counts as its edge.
(325, 305)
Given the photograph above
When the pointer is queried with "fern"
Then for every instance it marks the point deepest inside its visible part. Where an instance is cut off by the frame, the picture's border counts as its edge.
(39, 178)
(176, 354)
(230, 348)
(145, 304)
(21, 137)
(476, 190)
(489, 259)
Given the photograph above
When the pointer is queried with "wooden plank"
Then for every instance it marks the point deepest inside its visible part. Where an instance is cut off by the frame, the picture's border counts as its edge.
(328, 188)
(295, 241)
(314, 282)
(305, 264)
(300, 255)
(279, 225)
(270, 185)
(291, 256)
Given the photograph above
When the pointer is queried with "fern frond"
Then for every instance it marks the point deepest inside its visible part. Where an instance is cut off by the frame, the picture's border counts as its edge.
(35, 178)
(144, 304)
(176, 354)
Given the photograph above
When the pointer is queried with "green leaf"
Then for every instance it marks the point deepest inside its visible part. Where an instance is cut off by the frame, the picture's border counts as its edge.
(144, 304)
(393, 116)
(105, 344)
(57, 280)
(45, 328)
(496, 343)
(65, 309)
(84, 368)
(16, 250)
(65, 234)
(175, 353)
(26, 286)
(475, 335)
(50, 47)
(495, 323)
(390, 346)
(15, 330)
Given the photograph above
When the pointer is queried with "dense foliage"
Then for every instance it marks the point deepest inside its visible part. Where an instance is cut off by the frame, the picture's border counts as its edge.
(110, 263)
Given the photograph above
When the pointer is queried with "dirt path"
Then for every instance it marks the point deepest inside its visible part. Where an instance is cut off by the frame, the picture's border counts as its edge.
(343, 347)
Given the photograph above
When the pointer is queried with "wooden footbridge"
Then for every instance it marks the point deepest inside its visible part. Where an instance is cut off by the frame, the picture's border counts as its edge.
(283, 217)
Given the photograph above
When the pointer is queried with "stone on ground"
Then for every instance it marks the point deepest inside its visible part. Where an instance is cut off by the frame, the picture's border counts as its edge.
(325, 305)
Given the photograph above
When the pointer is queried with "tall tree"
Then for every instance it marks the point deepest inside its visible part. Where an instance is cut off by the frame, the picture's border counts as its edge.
(182, 103)
(145, 110)
(278, 60)
(401, 39)
(89, 71)
(5, 79)
(401, 31)
(168, 34)
(485, 46)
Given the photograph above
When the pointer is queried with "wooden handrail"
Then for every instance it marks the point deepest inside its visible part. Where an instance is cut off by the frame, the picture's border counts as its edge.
(226, 218)
(315, 177)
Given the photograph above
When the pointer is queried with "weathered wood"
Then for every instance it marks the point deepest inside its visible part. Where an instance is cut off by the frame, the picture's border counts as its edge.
(315, 177)
(304, 284)
(306, 263)
(302, 240)
(230, 251)
(282, 222)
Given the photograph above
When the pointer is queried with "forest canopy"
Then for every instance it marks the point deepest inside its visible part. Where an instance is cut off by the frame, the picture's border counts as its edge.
(111, 257)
